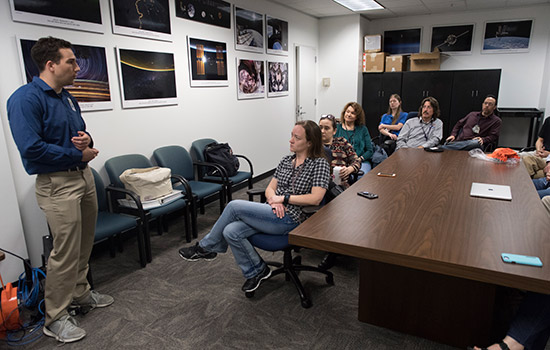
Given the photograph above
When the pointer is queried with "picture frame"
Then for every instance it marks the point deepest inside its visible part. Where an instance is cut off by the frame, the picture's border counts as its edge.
(145, 19)
(146, 78)
(402, 41)
(276, 32)
(207, 62)
(77, 15)
(91, 87)
(508, 36)
(453, 39)
(249, 30)
(277, 84)
(250, 78)
(213, 12)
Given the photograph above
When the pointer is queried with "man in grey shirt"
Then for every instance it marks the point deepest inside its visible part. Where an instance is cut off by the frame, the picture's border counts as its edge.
(424, 131)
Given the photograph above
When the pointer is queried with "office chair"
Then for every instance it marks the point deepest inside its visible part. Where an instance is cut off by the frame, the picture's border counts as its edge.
(197, 152)
(110, 224)
(117, 165)
(387, 143)
(179, 161)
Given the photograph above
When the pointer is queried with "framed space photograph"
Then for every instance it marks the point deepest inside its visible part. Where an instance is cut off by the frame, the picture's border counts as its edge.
(91, 86)
(144, 19)
(249, 28)
(215, 12)
(277, 79)
(507, 36)
(453, 39)
(79, 15)
(277, 36)
(250, 79)
(207, 62)
(405, 41)
(146, 78)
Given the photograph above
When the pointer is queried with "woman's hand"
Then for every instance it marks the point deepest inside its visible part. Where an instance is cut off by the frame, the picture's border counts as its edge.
(275, 200)
(345, 172)
(393, 136)
(279, 210)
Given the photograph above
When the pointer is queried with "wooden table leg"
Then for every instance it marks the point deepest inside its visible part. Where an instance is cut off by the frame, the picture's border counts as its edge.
(441, 308)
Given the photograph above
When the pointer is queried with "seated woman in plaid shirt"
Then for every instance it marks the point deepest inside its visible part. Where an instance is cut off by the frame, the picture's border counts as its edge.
(301, 179)
(342, 151)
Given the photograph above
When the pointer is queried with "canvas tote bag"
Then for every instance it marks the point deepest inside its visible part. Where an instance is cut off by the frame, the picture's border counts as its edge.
(147, 183)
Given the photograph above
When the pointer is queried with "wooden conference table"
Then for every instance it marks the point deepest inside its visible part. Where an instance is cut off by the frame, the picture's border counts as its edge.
(430, 253)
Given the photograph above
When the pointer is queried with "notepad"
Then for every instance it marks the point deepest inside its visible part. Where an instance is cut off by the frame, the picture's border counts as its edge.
(491, 191)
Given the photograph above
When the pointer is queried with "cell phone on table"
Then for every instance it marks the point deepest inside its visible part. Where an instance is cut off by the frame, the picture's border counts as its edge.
(367, 195)
(386, 174)
(521, 259)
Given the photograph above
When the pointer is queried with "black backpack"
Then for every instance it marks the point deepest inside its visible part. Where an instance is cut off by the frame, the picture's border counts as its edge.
(221, 154)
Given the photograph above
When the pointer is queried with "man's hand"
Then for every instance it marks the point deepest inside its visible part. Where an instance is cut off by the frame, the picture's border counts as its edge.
(81, 141)
(542, 153)
(450, 138)
(547, 168)
(478, 139)
(89, 154)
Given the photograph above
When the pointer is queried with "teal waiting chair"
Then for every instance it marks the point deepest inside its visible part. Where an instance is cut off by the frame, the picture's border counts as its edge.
(197, 152)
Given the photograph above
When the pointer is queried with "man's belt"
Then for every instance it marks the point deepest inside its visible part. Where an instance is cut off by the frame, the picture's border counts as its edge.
(78, 168)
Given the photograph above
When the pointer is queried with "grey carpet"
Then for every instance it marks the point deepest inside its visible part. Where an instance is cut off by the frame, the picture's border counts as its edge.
(175, 304)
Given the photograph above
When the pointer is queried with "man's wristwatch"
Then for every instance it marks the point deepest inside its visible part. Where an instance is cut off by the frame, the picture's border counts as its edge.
(287, 198)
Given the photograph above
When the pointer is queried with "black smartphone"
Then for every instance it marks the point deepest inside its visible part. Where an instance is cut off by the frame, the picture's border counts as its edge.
(367, 195)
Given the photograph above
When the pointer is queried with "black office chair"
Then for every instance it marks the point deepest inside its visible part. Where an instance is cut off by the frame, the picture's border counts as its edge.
(197, 152)
(387, 143)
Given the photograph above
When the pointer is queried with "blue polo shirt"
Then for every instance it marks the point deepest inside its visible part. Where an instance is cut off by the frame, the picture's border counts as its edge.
(42, 123)
(388, 118)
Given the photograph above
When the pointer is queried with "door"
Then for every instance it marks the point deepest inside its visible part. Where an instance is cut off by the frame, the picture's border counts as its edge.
(306, 92)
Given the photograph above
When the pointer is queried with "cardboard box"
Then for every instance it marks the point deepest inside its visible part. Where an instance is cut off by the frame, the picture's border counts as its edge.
(373, 43)
(396, 63)
(426, 61)
(374, 62)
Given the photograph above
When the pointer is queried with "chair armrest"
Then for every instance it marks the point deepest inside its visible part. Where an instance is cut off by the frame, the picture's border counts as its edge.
(110, 189)
(528, 149)
(311, 209)
(249, 162)
(256, 192)
(221, 169)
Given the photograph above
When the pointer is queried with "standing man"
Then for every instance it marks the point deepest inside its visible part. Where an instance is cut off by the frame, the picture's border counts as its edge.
(51, 136)
(426, 130)
(477, 128)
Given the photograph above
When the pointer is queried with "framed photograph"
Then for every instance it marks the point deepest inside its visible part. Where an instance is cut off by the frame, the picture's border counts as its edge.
(91, 86)
(277, 36)
(79, 15)
(249, 27)
(207, 62)
(144, 19)
(507, 36)
(453, 39)
(146, 78)
(278, 79)
(250, 79)
(405, 41)
(215, 12)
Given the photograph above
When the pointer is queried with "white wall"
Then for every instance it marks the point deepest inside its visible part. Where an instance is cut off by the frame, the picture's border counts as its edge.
(522, 73)
(258, 128)
(339, 60)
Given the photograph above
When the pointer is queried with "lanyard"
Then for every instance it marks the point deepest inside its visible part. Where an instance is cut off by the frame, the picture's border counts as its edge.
(424, 131)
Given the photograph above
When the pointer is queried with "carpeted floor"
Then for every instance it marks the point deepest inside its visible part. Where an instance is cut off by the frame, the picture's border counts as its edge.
(175, 304)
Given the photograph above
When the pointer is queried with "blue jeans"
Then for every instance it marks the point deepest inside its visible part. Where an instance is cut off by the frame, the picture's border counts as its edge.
(240, 220)
(541, 185)
(531, 325)
(464, 145)
(366, 166)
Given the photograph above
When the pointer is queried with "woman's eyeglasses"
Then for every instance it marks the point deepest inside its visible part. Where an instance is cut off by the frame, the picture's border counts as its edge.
(328, 116)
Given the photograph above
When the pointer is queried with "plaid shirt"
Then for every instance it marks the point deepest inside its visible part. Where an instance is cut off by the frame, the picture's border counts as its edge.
(300, 180)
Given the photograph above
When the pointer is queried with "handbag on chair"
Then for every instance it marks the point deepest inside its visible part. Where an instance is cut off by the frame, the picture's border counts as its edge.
(147, 183)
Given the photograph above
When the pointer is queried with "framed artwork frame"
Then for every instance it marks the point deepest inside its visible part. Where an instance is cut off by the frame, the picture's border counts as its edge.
(277, 36)
(507, 36)
(145, 19)
(454, 39)
(77, 15)
(214, 12)
(249, 30)
(207, 62)
(146, 78)
(250, 79)
(277, 79)
(91, 87)
(402, 41)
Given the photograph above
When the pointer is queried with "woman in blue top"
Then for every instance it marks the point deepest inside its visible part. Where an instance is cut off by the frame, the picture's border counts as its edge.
(391, 124)
(352, 128)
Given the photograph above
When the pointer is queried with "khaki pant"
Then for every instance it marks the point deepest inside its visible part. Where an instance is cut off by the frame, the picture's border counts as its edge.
(534, 165)
(546, 203)
(69, 201)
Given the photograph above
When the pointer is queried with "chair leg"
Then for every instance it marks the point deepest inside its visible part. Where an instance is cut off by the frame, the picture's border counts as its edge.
(112, 251)
(187, 223)
(201, 206)
(147, 241)
(306, 302)
(143, 257)
(193, 213)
